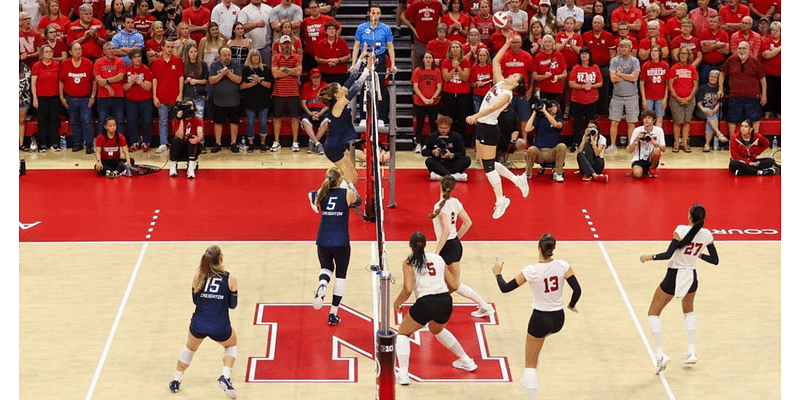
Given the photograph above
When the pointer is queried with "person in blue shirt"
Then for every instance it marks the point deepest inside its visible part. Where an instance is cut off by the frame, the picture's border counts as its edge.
(214, 291)
(333, 200)
(376, 37)
(545, 147)
(127, 39)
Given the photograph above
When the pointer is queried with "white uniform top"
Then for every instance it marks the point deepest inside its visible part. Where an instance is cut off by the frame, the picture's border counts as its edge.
(452, 207)
(643, 149)
(431, 279)
(491, 96)
(547, 283)
(686, 257)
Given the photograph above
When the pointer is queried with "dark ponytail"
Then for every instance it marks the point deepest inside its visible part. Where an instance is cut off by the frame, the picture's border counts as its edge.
(698, 214)
(417, 257)
(547, 243)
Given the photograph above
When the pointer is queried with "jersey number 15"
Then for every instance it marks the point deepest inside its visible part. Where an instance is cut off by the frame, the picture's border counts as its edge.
(213, 285)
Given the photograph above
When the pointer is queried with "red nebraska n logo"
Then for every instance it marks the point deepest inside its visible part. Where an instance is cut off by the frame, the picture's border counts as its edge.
(301, 347)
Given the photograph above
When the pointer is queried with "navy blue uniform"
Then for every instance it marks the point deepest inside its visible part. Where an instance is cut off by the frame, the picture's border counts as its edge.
(210, 316)
(333, 237)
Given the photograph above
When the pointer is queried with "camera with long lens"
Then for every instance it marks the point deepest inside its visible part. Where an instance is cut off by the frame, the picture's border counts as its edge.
(592, 131)
(646, 139)
(442, 145)
(185, 107)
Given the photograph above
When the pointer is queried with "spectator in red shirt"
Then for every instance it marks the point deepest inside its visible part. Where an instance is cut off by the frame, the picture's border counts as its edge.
(77, 90)
(188, 141)
(700, 16)
(138, 103)
(601, 43)
(332, 55)
(312, 31)
(472, 46)
(143, 21)
(197, 16)
(584, 80)
(745, 76)
(746, 146)
(110, 147)
(480, 77)
(423, 17)
(439, 46)
(532, 42)
(109, 72)
(286, 68)
(651, 40)
(313, 110)
(426, 82)
(29, 40)
(715, 47)
(167, 88)
(44, 89)
(483, 23)
(457, 21)
(456, 91)
(568, 43)
(549, 71)
(651, 14)
(747, 34)
(732, 15)
(770, 56)
(672, 29)
(55, 18)
(59, 47)
(653, 84)
(624, 34)
(687, 40)
(769, 9)
(682, 83)
(155, 45)
(628, 13)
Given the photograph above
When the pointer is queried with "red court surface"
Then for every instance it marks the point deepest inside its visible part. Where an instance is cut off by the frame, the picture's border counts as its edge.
(271, 205)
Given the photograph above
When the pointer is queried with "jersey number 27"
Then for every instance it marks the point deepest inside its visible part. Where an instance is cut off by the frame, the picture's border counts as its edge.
(693, 248)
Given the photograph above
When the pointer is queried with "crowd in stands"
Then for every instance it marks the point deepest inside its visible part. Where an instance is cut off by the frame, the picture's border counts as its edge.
(133, 59)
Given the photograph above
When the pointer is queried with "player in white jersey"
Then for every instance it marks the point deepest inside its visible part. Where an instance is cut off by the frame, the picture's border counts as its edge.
(546, 279)
(446, 213)
(681, 280)
(427, 276)
(487, 133)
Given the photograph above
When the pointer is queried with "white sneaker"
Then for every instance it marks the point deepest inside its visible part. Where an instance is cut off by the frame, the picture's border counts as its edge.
(500, 209)
(190, 173)
(435, 176)
(465, 365)
(295, 147)
(558, 177)
(661, 363)
(460, 176)
(320, 148)
(319, 297)
(691, 358)
(173, 170)
(611, 149)
(480, 312)
(418, 148)
(275, 147)
(522, 184)
(161, 148)
(402, 378)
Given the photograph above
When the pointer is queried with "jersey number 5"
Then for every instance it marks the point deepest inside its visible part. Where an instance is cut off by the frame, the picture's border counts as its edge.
(431, 270)
(693, 248)
(550, 284)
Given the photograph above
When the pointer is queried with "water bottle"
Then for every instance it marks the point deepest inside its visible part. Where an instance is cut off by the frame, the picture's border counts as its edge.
(775, 143)
(63, 142)
(244, 144)
(716, 143)
(34, 147)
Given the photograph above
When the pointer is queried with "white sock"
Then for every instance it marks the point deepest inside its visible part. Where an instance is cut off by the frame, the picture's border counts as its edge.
(178, 376)
(497, 185)
(691, 328)
(470, 293)
(530, 382)
(226, 372)
(192, 165)
(655, 328)
(403, 348)
(504, 172)
(451, 343)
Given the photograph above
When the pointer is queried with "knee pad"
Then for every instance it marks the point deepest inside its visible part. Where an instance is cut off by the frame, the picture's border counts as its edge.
(230, 351)
(488, 165)
(338, 287)
(186, 356)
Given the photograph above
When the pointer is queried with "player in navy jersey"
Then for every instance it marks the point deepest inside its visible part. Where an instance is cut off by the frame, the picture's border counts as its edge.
(333, 200)
(429, 278)
(681, 280)
(547, 282)
(214, 291)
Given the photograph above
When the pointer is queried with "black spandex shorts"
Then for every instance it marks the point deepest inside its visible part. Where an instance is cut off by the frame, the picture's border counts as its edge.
(451, 251)
(543, 323)
(668, 284)
(334, 258)
(335, 153)
(433, 307)
(486, 134)
(217, 337)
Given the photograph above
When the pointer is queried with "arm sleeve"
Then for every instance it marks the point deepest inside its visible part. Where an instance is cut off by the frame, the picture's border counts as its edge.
(673, 245)
(355, 82)
(712, 257)
(576, 290)
(233, 300)
(506, 287)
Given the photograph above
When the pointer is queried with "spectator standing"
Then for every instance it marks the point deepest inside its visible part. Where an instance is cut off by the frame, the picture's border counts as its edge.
(313, 111)
(546, 147)
(255, 17)
(195, 79)
(472, 46)
(225, 76)
(516, 61)
(197, 17)
(239, 44)
(517, 17)
(127, 40)
(700, 17)
(225, 14)
(143, 21)
(624, 72)
(77, 90)
(682, 83)
(167, 89)
(426, 82)
(332, 55)
(731, 16)
(569, 9)
(155, 46)
(546, 15)
(171, 18)
(423, 18)
(769, 9)
(285, 11)
(480, 77)
(286, 69)
(568, 43)
(532, 43)
(456, 92)
(445, 152)
(628, 13)
(593, 9)
(256, 90)
(44, 91)
(439, 46)
(651, 15)
(651, 40)
(138, 103)
(770, 56)
(647, 145)
(690, 42)
(286, 30)
(59, 47)
(183, 40)
(549, 71)
(34, 8)
(601, 44)
(312, 30)
(109, 73)
(483, 23)
(89, 32)
(747, 87)
(747, 34)
(708, 107)
(114, 21)
(209, 46)
(56, 19)
(653, 85)
(584, 80)
(624, 34)
(715, 45)
(24, 101)
(457, 20)
(380, 41)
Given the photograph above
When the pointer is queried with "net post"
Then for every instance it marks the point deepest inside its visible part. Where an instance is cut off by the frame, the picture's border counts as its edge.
(385, 344)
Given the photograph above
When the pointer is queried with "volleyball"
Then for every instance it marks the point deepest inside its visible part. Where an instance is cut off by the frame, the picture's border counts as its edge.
(500, 19)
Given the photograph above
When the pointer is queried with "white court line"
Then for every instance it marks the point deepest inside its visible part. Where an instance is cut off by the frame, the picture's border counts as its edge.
(116, 323)
(635, 320)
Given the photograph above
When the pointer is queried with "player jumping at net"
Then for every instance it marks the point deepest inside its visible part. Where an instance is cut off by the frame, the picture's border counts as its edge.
(681, 280)
(446, 212)
(334, 198)
(547, 281)
(214, 291)
(427, 276)
(487, 133)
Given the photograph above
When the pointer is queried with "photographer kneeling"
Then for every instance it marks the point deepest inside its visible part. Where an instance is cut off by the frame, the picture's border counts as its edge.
(446, 152)
(188, 141)
(647, 145)
(546, 147)
(591, 160)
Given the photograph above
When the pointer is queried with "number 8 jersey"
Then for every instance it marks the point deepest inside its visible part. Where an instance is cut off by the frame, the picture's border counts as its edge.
(547, 282)
(686, 257)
